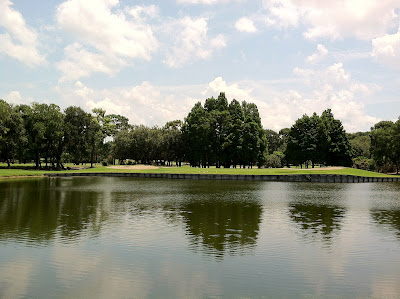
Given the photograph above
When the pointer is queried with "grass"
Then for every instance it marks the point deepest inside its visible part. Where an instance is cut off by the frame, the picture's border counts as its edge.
(4, 173)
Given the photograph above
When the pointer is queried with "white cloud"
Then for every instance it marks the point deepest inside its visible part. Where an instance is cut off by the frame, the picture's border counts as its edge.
(142, 104)
(280, 106)
(364, 19)
(15, 98)
(190, 41)
(115, 34)
(386, 49)
(79, 63)
(245, 25)
(19, 41)
(279, 103)
(319, 55)
(232, 91)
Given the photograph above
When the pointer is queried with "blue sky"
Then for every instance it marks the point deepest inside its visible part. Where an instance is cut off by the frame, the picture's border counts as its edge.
(152, 60)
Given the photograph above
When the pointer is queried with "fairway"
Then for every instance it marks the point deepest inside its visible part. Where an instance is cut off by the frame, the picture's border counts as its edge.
(7, 173)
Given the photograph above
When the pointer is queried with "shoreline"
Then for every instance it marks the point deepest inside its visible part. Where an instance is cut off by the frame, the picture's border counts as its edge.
(309, 178)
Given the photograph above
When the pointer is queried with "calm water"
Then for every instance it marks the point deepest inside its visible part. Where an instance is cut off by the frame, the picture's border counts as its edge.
(122, 237)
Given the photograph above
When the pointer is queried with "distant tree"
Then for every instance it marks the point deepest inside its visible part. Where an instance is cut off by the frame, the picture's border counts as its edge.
(196, 132)
(385, 144)
(234, 140)
(337, 149)
(173, 142)
(254, 142)
(318, 140)
(274, 141)
(12, 131)
(78, 134)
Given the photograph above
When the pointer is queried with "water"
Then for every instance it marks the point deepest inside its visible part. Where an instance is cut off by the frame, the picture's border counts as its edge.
(124, 237)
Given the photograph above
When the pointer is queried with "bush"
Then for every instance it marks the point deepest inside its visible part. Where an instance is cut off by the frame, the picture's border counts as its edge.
(273, 161)
(364, 163)
(121, 162)
(130, 162)
(104, 163)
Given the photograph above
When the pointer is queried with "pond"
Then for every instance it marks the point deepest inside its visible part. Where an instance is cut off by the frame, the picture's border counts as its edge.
(124, 237)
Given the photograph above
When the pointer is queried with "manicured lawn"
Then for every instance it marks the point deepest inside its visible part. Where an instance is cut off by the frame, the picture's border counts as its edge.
(211, 170)
(268, 171)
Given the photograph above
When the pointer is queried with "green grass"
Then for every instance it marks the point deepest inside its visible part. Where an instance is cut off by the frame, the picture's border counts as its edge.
(211, 170)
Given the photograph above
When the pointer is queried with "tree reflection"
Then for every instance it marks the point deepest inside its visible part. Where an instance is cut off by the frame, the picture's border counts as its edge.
(318, 219)
(222, 227)
(37, 210)
(389, 218)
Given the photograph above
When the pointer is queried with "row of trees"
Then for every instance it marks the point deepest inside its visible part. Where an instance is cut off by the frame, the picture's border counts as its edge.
(224, 134)
(147, 145)
(43, 133)
(318, 140)
(218, 133)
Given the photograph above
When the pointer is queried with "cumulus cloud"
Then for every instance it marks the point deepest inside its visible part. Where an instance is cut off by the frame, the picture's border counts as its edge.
(14, 97)
(142, 104)
(78, 63)
(18, 41)
(116, 35)
(245, 25)
(190, 41)
(232, 91)
(280, 104)
(319, 55)
(364, 19)
(386, 49)
(280, 107)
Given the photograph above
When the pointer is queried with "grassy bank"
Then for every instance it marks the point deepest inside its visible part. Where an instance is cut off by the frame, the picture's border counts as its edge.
(4, 173)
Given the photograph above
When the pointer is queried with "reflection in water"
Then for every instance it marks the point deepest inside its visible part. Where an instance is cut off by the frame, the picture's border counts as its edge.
(388, 218)
(219, 217)
(121, 237)
(317, 209)
(35, 210)
(222, 226)
(316, 218)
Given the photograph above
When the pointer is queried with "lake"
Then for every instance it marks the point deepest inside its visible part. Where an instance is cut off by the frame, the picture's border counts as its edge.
(124, 237)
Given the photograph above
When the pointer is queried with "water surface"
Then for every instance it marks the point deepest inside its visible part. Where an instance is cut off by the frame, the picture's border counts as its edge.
(124, 237)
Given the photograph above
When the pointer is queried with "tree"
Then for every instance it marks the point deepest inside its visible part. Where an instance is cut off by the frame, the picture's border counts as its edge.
(12, 131)
(173, 146)
(303, 141)
(318, 140)
(385, 145)
(196, 130)
(234, 140)
(77, 136)
(254, 142)
(337, 148)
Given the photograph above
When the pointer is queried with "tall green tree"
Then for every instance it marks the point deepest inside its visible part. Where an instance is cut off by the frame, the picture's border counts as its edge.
(385, 145)
(12, 131)
(78, 136)
(338, 149)
(234, 140)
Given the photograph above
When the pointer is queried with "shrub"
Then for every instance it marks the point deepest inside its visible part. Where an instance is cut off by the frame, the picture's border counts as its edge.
(104, 163)
(273, 161)
(130, 162)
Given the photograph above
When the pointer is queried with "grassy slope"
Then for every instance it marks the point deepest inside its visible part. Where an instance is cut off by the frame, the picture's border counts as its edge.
(212, 170)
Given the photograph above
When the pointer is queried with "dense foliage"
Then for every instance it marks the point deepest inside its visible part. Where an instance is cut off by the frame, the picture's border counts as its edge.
(318, 140)
(219, 133)
(224, 134)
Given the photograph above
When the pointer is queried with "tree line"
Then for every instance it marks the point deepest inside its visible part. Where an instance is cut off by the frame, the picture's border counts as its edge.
(218, 133)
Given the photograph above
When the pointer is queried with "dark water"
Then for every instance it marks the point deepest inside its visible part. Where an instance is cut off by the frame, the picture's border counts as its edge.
(122, 237)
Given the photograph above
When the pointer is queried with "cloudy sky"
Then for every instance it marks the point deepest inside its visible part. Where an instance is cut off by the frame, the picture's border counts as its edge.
(152, 60)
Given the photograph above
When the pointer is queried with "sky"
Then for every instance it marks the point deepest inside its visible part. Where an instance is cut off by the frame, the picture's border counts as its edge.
(151, 61)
